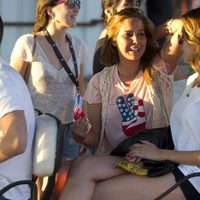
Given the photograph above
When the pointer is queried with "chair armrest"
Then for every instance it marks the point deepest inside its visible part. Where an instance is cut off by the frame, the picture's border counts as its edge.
(31, 183)
(173, 187)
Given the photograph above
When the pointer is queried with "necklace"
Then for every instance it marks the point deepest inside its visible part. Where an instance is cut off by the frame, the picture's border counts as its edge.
(62, 60)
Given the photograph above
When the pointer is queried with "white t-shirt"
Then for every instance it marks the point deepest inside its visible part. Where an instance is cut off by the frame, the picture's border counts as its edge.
(186, 127)
(14, 95)
(52, 90)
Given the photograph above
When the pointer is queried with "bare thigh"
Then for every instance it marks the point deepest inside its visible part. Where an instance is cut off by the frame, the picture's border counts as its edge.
(85, 172)
(95, 168)
(130, 187)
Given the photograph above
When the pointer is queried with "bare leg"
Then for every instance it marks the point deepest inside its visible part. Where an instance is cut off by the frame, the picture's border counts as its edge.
(85, 172)
(130, 187)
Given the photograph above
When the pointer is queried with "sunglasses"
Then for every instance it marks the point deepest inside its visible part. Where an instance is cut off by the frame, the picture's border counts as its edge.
(70, 3)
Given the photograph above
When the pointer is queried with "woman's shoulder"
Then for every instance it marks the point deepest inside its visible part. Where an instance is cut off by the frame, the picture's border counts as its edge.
(26, 40)
(28, 37)
(79, 47)
(102, 77)
(192, 78)
(76, 40)
(109, 70)
(106, 75)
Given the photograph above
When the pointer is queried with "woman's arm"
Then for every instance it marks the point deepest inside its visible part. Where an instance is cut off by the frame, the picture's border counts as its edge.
(148, 150)
(94, 116)
(13, 140)
(88, 132)
(182, 157)
(19, 65)
(172, 48)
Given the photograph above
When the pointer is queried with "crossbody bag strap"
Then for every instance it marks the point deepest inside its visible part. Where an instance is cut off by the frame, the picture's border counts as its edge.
(28, 68)
(62, 60)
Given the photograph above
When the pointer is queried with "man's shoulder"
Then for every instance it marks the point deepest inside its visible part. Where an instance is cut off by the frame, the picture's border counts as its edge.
(7, 73)
(6, 68)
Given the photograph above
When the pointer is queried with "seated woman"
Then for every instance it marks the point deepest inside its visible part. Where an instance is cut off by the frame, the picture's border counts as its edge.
(132, 94)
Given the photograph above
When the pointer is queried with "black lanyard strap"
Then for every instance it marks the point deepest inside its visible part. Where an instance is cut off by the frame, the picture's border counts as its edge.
(62, 60)
(73, 55)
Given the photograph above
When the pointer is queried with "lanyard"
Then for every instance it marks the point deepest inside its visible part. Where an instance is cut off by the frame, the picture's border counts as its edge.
(62, 60)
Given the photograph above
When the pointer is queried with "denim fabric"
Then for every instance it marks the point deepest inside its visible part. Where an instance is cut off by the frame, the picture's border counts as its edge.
(71, 149)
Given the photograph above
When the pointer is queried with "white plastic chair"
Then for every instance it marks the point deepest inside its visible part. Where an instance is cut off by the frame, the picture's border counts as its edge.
(47, 148)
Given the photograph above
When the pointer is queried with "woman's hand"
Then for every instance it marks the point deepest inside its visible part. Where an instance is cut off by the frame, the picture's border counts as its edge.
(174, 25)
(80, 129)
(146, 150)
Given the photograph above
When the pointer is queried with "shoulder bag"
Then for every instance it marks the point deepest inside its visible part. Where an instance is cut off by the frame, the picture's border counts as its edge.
(28, 68)
(161, 137)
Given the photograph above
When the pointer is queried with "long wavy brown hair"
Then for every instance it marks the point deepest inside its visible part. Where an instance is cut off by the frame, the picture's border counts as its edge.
(42, 18)
(191, 32)
(109, 53)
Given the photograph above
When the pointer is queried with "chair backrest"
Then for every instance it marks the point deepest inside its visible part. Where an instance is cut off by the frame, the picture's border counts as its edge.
(47, 145)
(47, 150)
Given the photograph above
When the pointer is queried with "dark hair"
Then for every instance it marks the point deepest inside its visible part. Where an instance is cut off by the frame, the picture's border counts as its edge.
(109, 53)
(136, 4)
(113, 3)
(1, 29)
(105, 4)
(42, 17)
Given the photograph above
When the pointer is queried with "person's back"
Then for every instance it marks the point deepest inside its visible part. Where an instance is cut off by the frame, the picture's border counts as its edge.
(17, 126)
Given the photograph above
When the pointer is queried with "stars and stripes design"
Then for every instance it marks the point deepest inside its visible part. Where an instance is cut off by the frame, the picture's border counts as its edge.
(133, 114)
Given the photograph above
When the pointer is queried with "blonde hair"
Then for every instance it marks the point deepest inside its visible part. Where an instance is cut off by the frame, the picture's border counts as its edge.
(191, 31)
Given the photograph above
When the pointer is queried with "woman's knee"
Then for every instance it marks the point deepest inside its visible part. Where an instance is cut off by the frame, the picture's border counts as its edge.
(80, 166)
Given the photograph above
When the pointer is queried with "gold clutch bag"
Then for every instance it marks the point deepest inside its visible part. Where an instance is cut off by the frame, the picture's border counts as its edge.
(133, 168)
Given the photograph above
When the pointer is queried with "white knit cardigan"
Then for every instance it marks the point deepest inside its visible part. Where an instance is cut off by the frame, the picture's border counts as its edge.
(161, 94)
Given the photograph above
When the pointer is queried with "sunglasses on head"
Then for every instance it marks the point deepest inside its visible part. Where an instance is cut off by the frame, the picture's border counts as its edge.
(70, 3)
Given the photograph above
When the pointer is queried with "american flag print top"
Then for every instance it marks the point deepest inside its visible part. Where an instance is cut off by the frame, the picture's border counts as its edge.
(133, 114)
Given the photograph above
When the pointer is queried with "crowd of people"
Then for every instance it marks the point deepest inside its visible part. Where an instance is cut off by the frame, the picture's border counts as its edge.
(131, 90)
